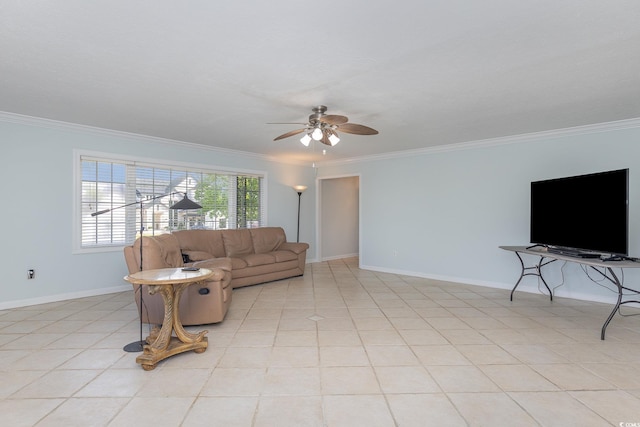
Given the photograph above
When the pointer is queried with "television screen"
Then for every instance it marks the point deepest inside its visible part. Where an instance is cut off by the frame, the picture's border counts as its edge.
(586, 212)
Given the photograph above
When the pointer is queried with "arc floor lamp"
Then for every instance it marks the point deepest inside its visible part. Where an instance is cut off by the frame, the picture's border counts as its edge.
(184, 204)
(299, 189)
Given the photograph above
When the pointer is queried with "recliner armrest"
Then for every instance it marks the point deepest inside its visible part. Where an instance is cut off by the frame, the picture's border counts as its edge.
(213, 263)
(218, 274)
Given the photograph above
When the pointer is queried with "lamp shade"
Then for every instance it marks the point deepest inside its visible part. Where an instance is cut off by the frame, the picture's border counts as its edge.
(186, 204)
(317, 134)
(299, 188)
(333, 139)
(305, 140)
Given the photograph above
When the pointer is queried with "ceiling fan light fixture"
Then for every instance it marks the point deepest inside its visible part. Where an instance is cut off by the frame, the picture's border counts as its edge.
(316, 134)
(333, 138)
(324, 128)
(305, 140)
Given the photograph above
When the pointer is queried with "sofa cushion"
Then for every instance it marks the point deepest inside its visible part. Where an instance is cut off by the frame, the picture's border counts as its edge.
(209, 241)
(267, 239)
(224, 264)
(238, 264)
(162, 251)
(237, 242)
(170, 249)
(282, 256)
(260, 270)
(197, 255)
(253, 260)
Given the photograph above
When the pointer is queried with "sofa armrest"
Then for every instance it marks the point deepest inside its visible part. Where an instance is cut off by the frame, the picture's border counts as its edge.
(218, 274)
(213, 263)
(296, 248)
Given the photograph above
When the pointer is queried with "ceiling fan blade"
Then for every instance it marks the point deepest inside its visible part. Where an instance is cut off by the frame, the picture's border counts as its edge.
(325, 139)
(288, 134)
(287, 123)
(334, 119)
(357, 129)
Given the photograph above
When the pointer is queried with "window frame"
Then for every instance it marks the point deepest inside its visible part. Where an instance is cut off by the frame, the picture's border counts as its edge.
(79, 155)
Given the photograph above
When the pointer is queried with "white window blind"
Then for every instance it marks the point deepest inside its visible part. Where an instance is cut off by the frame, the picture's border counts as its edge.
(137, 196)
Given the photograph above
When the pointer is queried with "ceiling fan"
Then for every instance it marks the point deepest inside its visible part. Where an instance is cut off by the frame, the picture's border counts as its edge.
(324, 128)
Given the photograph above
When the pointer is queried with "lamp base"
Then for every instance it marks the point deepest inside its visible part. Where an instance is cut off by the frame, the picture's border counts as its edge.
(134, 347)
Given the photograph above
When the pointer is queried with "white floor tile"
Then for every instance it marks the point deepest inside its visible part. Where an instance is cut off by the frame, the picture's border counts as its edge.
(338, 346)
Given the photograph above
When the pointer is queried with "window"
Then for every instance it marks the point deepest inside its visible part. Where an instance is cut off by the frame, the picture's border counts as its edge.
(131, 197)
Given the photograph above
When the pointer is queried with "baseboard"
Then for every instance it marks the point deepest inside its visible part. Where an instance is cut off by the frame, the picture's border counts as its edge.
(63, 297)
(454, 279)
(332, 258)
(559, 293)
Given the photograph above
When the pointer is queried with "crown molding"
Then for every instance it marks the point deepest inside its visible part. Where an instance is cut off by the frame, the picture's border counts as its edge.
(492, 142)
(483, 143)
(75, 127)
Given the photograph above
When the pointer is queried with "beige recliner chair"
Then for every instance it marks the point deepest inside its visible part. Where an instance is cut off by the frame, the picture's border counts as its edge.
(201, 303)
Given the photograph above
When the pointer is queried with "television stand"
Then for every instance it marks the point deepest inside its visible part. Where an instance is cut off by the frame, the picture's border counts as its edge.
(547, 257)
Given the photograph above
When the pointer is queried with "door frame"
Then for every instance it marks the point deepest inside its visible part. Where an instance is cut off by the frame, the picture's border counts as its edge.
(319, 213)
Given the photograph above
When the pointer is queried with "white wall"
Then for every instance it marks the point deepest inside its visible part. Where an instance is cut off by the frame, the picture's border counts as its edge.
(36, 171)
(451, 209)
(339, 212)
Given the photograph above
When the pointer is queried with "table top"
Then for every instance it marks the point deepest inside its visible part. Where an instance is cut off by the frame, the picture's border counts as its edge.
(596, 262)
(164, 276)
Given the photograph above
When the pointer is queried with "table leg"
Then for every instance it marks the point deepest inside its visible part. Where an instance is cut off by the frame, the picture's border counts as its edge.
(163, 337)
(164, 345)
(184, 336)
(614, 279)
(616, 307)
(537, 273)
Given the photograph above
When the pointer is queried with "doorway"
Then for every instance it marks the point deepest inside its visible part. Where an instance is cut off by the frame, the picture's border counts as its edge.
(339, 217)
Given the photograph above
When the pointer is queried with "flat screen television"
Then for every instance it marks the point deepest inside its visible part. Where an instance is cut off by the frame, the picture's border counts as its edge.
(585, 214)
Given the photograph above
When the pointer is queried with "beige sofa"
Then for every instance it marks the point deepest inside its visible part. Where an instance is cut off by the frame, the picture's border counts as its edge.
(240, 257)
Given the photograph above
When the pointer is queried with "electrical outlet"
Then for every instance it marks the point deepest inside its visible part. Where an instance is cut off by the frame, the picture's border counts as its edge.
(31, 274)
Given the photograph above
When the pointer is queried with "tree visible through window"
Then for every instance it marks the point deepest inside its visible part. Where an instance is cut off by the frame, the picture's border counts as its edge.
(228, 200)
(214, 195)
(248, 203)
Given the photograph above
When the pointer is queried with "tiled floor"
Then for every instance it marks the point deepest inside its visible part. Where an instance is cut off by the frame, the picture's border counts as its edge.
(337, 347)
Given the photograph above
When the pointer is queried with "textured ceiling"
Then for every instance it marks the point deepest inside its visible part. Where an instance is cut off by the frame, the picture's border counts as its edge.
(422, 72)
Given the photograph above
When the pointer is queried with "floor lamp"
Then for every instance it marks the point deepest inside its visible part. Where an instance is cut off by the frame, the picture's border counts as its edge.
(184, 204)
(299, 189)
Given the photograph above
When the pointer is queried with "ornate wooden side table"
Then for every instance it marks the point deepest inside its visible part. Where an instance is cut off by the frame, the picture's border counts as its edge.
(170, 283)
